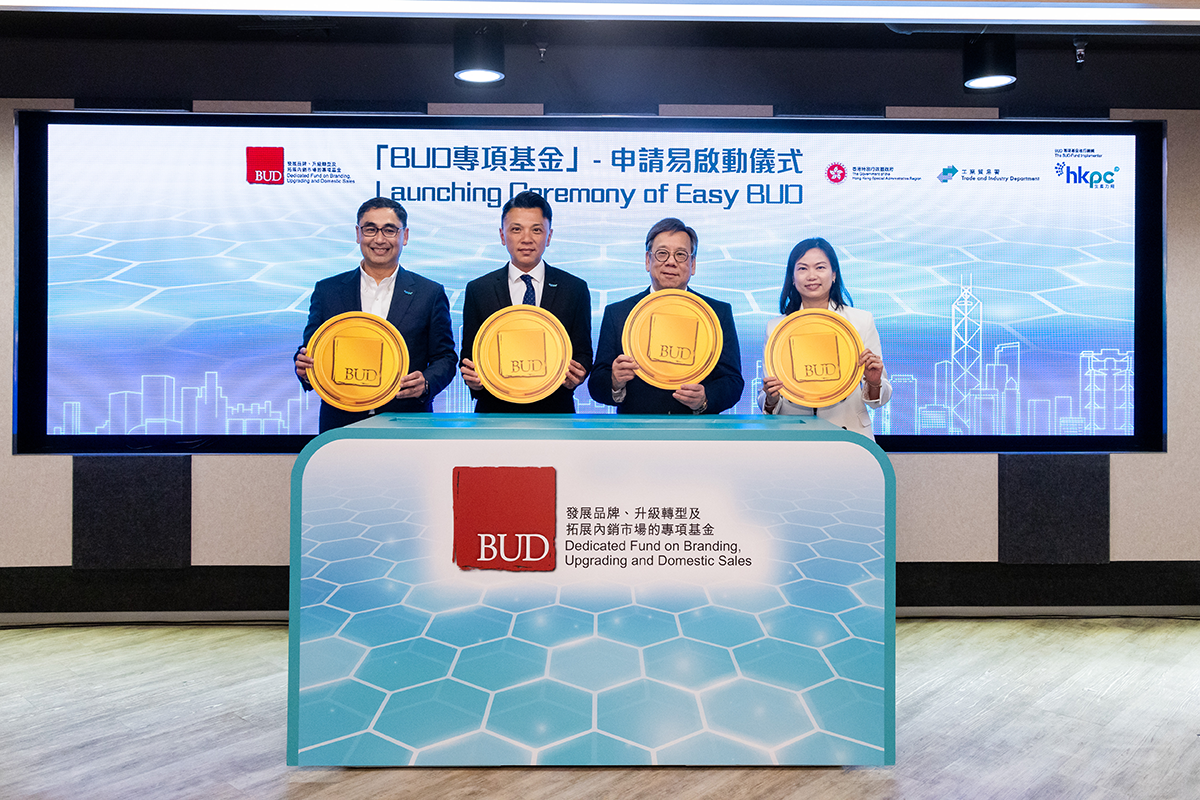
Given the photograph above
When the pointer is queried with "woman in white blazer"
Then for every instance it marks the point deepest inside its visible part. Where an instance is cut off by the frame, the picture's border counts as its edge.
(813, 279)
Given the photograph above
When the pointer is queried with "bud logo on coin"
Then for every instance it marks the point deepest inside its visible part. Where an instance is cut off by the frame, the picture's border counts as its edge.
(357, 361)
(815, 357)
(673, 339)
(522, 354)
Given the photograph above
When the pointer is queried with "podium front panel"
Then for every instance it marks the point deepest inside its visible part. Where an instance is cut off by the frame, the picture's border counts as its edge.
(520, 590)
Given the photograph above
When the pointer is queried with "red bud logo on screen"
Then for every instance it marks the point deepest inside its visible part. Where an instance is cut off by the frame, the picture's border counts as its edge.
(504, 518)
(264, 165)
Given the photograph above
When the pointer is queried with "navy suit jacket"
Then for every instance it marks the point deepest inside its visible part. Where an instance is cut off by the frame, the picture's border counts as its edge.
(722, 388)
(419, 310)
(565, 296)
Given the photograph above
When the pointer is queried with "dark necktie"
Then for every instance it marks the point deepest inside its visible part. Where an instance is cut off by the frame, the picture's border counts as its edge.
(530, 299)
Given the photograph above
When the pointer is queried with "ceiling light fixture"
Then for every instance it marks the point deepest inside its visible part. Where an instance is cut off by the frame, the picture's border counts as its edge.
(990, 61)
(479, 52)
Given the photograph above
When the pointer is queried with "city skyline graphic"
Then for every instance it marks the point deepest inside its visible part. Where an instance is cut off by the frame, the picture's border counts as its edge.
(970, 397)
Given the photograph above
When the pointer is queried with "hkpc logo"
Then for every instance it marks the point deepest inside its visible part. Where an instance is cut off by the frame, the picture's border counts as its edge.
(504, 518)
(264, 165)
(1093, 179)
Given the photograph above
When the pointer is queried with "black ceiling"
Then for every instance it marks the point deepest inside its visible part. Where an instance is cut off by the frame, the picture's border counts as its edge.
(394, 30)
(380, 64)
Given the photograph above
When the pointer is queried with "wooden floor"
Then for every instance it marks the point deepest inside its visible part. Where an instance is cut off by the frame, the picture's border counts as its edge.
(1102, 709)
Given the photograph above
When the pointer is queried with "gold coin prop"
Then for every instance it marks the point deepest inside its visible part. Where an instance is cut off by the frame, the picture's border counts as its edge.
(359, 360)
(674, 336)
(522, 354)
(814, 352)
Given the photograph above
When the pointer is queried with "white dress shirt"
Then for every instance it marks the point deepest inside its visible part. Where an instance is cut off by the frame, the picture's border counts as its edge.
(376, 298)
(516, 286)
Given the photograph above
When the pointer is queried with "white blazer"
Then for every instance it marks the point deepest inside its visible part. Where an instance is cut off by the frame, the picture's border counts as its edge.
(851, 413)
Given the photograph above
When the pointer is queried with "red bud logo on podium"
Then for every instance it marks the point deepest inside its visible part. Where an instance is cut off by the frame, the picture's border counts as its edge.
(504, 518)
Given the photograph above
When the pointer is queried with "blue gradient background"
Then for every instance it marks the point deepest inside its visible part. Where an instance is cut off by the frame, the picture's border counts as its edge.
(178, 291)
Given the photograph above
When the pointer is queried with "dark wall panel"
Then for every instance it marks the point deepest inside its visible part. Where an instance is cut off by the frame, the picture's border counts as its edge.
(62, 590)
(918, 584)
(1053, 509)
(132, 512)
(1119, 583)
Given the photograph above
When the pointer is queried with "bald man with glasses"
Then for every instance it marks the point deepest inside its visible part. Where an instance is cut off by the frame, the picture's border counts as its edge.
(416, 306)
(671, 262)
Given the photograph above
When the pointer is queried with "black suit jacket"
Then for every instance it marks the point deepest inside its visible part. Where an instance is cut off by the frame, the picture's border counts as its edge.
(419, 310)
(564, 296)
(722, 388)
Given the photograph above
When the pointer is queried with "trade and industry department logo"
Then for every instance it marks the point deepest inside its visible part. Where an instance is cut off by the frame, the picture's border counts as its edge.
(835, 173)
(1091, 178)
(504, 518)
(264, 165)
(947, 173)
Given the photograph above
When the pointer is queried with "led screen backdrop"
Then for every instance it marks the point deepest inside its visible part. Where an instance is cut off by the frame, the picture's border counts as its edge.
(1010, 267)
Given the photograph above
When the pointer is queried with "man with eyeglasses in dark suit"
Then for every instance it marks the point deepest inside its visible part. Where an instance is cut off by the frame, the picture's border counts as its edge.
(671, 262)
(416, 306)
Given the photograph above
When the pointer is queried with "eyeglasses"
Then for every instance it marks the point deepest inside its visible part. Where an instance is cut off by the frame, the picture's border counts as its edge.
(679, 256)
(388, 231)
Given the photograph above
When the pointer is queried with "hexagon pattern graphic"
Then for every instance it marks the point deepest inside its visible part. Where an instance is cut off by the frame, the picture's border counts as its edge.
(399, 665)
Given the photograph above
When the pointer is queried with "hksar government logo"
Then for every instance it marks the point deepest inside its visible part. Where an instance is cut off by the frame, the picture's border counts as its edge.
(835, 173)
(504, 518)
(264, 165)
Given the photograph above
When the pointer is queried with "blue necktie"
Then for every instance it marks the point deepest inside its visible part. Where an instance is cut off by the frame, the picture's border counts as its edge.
(530, 299)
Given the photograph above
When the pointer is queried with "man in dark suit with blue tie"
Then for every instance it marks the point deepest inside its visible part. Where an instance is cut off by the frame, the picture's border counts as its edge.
(525, 231)
(416, 306)
(671, 262)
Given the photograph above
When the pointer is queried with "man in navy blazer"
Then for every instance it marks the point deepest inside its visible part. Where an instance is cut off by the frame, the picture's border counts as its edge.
(416, 306)
(525, 231)
(671, 262)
